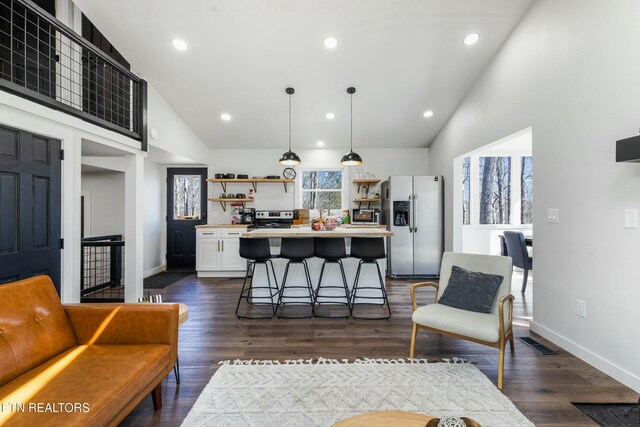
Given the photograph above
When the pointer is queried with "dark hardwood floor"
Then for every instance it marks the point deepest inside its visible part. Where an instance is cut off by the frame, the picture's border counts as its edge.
(542, 387)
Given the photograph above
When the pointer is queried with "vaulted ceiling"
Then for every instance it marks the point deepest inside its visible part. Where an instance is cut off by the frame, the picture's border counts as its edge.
(404, 58)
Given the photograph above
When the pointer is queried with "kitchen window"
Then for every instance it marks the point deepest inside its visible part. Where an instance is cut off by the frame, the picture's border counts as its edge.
(322, 188)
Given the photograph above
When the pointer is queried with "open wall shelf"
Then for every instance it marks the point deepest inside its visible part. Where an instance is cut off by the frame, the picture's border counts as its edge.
(365, 183)
(253, 181)
(360, 201)
(223, 202)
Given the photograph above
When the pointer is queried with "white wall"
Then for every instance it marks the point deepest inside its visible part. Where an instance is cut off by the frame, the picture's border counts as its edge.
(154, 217)
(173, 134)
(380, 162)
(105, 204)
(571, 71)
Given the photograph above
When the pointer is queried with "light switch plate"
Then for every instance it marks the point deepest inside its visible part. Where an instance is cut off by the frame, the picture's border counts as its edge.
(630, 218)
(553, 215)
(581, 308)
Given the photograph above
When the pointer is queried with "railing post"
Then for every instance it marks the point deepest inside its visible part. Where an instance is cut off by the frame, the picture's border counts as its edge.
(142, 111)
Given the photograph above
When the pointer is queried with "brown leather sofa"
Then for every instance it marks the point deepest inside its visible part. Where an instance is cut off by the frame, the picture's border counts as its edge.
(79, 364)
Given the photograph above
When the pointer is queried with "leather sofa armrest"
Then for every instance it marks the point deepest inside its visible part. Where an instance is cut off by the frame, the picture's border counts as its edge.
(124, 323)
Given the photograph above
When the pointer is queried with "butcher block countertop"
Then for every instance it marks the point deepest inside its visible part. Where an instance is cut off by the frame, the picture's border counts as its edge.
(223, 226)
(307, 232)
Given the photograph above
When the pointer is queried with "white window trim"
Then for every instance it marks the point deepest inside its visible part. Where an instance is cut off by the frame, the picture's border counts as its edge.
(313, 213)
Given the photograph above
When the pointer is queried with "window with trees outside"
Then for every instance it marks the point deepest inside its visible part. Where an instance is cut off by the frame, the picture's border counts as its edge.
(466, 191)
(526, 190)
(322, 189)
(186, 197)
(495, 190)
(496, 177)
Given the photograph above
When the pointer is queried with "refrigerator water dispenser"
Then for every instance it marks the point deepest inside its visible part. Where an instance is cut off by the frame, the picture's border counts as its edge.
(401, 213)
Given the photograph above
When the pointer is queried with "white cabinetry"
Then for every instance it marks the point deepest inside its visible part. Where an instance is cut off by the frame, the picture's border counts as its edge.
(218, 252)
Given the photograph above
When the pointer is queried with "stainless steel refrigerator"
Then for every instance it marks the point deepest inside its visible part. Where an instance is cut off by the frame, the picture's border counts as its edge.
(413, 208)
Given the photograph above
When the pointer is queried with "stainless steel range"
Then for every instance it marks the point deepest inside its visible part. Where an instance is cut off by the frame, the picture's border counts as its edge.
(273, 219)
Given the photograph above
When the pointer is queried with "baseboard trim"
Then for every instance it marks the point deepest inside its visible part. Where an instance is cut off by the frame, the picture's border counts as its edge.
(151, 272)
(614, 371)
(221, 273)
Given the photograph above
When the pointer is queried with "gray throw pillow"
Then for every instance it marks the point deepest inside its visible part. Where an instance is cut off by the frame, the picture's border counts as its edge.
(470, 290)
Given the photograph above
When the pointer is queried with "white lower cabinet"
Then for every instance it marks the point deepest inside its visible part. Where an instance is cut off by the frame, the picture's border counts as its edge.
(218, 253)
(231, 259)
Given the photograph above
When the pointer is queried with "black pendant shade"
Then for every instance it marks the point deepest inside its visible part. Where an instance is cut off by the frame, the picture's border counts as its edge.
(289, 158)
(351, 158)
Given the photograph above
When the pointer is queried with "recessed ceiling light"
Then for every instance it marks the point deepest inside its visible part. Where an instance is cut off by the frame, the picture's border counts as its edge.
(471, 39)
(320, 143)
(427, 114)
(330, 42)
(180, 44)
(330, 116)
(226, 117)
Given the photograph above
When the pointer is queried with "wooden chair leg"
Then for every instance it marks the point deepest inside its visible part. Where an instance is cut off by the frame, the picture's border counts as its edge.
(412, 348)
(501, 362)
(524, 280)
(156, 396)
(511, 343)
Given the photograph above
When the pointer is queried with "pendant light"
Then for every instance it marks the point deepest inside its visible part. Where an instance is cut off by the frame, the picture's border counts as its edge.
(351, 158)
(289, 158)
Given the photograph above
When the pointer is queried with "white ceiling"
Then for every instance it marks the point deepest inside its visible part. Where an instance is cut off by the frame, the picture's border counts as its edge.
(403, 57)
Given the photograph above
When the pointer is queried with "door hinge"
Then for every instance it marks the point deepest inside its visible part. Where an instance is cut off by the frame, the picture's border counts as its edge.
(61, 243)
(61, 154)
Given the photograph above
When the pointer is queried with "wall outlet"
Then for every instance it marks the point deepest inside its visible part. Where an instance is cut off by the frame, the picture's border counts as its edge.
(553, 215)
(581, 308)
(630, 218)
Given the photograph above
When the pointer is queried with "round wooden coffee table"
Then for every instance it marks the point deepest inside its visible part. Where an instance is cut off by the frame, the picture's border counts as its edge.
(386, 419)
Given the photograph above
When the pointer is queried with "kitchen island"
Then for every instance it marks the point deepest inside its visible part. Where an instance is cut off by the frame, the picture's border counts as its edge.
(368, 275)
(380, 231)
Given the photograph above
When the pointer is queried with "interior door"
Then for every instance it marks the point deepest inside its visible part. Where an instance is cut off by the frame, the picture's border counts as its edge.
(30, 205)
(186, 208)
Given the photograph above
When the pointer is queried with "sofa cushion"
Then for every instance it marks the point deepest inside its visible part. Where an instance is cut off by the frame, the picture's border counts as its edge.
(106, 377)
(33, 326)
(471, 290)
(481, 326)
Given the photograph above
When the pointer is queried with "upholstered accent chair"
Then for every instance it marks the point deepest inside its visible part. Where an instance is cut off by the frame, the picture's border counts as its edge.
(493, 329)
(517, 250)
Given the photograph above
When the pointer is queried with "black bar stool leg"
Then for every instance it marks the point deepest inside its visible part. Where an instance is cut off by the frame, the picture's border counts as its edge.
(247, 292)
(344, 286)
(308, 286)
(383, 289)
(284, 280)
(249, 274)
(383, 297)
(176, 370)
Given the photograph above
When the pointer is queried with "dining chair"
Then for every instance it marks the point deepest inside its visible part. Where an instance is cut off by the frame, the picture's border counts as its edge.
(517, 250)
(492, 327)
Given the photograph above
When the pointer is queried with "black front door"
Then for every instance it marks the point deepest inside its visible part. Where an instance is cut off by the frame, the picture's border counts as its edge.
(186, 208)
(29, 206)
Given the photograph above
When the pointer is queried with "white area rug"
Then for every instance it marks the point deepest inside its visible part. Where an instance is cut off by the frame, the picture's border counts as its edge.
(264, 393)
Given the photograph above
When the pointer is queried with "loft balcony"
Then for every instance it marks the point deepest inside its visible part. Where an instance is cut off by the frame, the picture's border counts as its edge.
(43, 60)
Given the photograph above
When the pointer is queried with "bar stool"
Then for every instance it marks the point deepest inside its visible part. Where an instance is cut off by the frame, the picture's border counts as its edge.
(369, 250)
(332, 250)
(257, 251)
(297, 251)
